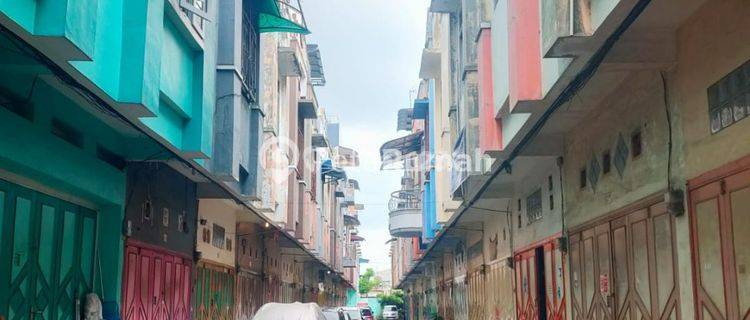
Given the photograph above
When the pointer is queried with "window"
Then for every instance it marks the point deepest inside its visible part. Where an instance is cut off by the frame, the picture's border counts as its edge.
(67, 132)
(606, 162)
(519, 220)
(534, 206)
(206, 235)
(218, 238)
(549, 183)
(229, 244)
(636, 144)
(551, 202)
(729, 99)
(582, 178)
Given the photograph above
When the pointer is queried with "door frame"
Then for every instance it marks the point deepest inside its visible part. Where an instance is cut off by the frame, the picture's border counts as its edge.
(549, 244)
(140, 245)
(718, 174)
(616, 217)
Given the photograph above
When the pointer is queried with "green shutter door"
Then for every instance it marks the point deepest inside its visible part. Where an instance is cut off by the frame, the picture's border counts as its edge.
(51, 245)
(214, 293)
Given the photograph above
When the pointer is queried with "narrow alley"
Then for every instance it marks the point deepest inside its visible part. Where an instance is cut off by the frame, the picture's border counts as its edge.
(374, 159)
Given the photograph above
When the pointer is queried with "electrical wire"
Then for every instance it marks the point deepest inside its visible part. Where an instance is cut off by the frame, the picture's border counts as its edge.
(665, 95)
(580, 80)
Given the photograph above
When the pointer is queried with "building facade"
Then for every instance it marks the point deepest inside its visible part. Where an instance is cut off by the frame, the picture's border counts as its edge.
(619, 171)
(132, 165)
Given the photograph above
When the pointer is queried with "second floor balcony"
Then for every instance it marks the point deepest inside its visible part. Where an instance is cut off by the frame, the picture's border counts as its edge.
(405, 213)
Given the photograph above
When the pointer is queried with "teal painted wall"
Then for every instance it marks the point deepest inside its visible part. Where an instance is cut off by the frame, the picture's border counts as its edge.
(351, 298)
(105, 64)
(147, 58)
(28, 150)
(377, 310)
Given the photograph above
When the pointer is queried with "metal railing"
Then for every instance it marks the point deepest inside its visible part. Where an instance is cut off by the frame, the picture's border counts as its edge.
(291, 12)
(405, 199)
(197, 12)
(250, 59)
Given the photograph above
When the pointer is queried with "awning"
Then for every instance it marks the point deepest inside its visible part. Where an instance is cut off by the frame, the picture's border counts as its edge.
(421, 109)
(405, 119)
(351, 220)
(327, 169)
(354, 183)
(357, 238)
(393, 151)
(270, 18)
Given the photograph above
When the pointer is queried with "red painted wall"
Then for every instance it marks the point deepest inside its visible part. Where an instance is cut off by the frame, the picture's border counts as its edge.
(525, 58)
(490, 129)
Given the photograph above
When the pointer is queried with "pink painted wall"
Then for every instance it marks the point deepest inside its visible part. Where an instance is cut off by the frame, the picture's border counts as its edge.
(490, 129)
(524, 46)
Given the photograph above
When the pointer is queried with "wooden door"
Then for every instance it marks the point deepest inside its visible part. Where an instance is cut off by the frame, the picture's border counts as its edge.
(540, 279)
(625, 268)
(156, 285)
(48, 247)
(720, 220)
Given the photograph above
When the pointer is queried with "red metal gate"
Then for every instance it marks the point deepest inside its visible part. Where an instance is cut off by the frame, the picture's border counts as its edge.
(540, 278)
(720, 223)
(156, 284)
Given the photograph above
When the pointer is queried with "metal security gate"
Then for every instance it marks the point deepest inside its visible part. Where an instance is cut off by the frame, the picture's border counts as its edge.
(156, 284)
(625, 268)
(249, 294)
(720, 222)
(476, 295)
(48, 248)
(214, 293)
(540, 278)
(499, 285)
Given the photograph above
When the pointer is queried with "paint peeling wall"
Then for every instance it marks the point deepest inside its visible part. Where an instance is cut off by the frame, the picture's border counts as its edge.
(711, 44)
(637, 105)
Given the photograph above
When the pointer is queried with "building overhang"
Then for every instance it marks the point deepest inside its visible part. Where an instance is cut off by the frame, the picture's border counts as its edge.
(319, 141)
(290, 64)
(445, 6)
(308, 109)
(430, 64)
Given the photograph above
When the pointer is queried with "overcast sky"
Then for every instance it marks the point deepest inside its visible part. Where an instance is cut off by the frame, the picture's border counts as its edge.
(371, 51)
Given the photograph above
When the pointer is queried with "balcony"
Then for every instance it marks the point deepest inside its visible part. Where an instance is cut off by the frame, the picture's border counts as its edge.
(196, 12)
(405, 217)
(250, 58)
(349, 262)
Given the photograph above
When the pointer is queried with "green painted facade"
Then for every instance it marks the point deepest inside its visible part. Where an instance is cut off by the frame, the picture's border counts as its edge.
(145, 55)
(213, 293)
(85, 86)
(154, 69)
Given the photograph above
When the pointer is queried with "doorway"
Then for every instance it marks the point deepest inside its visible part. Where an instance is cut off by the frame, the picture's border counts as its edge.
(50, 246)
(720, 220)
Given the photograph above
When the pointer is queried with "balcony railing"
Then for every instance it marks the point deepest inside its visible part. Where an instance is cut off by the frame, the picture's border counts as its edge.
(197, 12)
(405, 217)
(291, 12)
(405, 199)
(250, 58)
